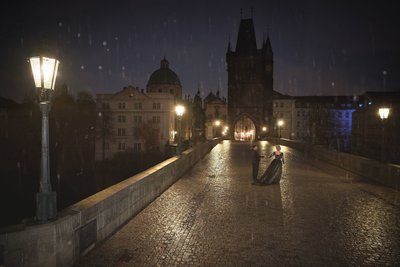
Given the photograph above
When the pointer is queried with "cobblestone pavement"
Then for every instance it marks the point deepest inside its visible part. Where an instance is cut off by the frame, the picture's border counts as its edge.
(319, 215)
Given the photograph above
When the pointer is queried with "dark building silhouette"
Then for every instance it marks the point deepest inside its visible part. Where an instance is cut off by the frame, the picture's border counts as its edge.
(250, 83)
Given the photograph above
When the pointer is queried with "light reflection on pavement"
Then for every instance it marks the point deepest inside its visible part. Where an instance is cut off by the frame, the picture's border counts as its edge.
(319, 215)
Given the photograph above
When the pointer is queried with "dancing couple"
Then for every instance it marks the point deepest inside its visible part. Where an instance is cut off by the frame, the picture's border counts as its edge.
(273, 173)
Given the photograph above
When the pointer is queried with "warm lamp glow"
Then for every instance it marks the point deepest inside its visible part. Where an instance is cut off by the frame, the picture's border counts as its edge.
(217, 123)
(264, 129)
(280, 123)
(179, 109)
(384, 113)
(44, 71)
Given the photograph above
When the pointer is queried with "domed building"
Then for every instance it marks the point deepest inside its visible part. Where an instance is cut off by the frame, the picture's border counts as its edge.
(165, 80)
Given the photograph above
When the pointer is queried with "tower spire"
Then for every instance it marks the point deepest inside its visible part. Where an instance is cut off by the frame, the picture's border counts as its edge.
(246, 41)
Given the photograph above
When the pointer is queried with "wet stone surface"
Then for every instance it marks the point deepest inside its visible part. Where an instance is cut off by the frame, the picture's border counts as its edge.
(319, 215)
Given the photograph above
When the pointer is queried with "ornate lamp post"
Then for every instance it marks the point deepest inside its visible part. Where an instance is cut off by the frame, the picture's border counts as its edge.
(280, 124)
(383, 114)
(179, 109)
(44, 70)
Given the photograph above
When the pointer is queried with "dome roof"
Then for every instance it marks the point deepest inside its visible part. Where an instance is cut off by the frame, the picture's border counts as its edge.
(164, 75)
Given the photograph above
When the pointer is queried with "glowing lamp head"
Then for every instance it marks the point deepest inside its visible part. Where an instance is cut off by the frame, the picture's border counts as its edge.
(384, 113)
(264, 129)
(44, 70)
(280, 123)
(217, 123)
(179, 109)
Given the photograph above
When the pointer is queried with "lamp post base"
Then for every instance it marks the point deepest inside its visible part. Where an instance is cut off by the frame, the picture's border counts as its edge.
(46, 206)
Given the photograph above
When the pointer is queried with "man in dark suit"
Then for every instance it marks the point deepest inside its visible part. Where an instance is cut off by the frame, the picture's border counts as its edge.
(256, 163)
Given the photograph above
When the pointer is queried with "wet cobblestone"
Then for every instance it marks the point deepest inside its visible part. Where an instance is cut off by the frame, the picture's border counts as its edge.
(319, 215)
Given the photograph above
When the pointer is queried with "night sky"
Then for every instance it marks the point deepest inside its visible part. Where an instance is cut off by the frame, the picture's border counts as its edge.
(320, 47)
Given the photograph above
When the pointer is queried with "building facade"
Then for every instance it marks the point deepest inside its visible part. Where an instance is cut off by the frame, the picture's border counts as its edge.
(139, 120)
(216, 115)
(324, 120)
(284, 111)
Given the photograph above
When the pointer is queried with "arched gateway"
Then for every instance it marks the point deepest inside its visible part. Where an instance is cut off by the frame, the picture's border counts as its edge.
(245, 129)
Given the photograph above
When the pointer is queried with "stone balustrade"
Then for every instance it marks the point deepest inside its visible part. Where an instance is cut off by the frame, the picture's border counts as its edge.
(81, 226)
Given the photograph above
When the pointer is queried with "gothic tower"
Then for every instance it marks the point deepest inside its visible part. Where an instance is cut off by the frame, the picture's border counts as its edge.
(250, 84)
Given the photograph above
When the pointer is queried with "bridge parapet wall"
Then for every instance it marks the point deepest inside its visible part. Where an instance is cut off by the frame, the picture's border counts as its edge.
(81, 226)
(386, 174)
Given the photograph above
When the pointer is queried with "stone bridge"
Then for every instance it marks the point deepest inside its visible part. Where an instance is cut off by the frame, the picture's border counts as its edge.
(319, 215)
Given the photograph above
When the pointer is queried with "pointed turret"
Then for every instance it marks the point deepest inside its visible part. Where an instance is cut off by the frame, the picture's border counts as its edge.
(229, 50)
(267, 47)
(246, 41)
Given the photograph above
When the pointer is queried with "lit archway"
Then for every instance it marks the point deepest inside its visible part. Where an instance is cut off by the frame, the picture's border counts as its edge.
(244, 129)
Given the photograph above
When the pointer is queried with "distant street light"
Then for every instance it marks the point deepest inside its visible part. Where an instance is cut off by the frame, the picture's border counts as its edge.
(44, 70)
(383, 114)
(179, 109)
(225, 132)
(280, 123)
(217, 123)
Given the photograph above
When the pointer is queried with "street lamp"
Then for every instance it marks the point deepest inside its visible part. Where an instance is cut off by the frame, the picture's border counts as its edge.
(280, 123)
(226, 128)
(383, 114)
(179, 109)
(217, 124)
(44, 70)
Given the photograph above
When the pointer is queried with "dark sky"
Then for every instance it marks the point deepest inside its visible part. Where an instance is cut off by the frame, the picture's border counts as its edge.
(320, 47)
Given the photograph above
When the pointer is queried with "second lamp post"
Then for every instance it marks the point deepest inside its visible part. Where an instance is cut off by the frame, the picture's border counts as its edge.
(179, 109)
(383, 114)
